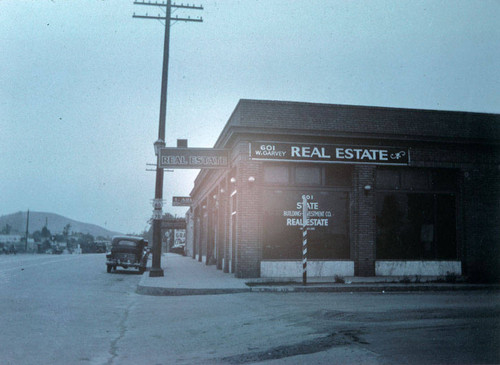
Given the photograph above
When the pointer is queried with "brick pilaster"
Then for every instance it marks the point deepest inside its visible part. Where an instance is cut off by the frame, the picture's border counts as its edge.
(364, 227)
(248, 250)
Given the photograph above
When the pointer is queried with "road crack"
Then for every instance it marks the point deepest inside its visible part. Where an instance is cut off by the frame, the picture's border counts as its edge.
(122, 326)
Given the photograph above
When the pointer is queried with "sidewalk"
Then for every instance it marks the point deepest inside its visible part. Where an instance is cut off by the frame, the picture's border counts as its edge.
(186, 276)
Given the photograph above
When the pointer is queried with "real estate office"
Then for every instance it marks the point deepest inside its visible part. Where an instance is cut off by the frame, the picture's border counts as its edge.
(390, 192)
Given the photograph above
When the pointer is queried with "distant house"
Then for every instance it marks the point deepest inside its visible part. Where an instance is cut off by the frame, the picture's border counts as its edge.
(11, 238)
(16, 241)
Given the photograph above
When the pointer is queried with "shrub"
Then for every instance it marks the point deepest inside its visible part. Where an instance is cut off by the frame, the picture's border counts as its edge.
(339, 279)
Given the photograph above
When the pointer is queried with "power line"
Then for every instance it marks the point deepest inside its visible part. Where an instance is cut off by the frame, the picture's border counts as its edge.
(168, 5)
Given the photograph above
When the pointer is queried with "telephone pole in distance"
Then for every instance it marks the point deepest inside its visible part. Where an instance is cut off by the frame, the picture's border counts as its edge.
(156, 269)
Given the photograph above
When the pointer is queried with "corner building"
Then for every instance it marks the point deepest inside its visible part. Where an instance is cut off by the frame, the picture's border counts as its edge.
(390, 192)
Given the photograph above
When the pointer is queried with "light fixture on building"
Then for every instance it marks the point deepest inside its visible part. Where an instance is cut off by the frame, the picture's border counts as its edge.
(251, 179)
(215, 197)
(222, 191)
(367, 188)
(233, 180)
(159, 144)
(204, 207)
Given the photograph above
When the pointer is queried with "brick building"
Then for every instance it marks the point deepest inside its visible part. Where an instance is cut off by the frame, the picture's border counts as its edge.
(390, 192)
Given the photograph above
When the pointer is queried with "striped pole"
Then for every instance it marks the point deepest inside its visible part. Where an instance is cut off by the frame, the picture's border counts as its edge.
(304, 240)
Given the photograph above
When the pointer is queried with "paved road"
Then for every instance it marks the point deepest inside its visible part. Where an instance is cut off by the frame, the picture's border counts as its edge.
(68, 310)
(322, 328)
(61, 309)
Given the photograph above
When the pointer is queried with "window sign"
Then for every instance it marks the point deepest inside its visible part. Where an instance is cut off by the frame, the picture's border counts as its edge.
(180, 237)
(326, 153)
(327, 225)
(316, 217)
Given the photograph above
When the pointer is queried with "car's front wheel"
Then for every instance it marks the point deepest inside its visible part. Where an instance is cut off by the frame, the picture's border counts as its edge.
(109, 267)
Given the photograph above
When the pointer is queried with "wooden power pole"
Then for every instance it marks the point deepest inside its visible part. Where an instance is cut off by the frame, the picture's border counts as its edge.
(156, 269)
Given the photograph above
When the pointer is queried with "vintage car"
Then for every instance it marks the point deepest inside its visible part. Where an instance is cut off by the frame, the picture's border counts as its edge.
(128, 251)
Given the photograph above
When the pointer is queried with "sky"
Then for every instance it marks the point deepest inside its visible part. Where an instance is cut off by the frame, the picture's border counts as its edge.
(80, 84)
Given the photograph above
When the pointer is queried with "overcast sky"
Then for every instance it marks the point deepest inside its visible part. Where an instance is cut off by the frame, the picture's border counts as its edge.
(80, 84)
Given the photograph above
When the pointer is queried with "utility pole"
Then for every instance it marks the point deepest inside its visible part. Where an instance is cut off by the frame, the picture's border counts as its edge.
(27, 227)
(156, 269)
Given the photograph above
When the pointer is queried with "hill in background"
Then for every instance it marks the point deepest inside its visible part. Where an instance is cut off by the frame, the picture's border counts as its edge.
(55, 224)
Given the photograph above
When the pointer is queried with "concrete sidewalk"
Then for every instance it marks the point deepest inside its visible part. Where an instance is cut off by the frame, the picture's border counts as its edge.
(185, 276)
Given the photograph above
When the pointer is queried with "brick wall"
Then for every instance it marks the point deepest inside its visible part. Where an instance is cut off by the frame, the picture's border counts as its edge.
(364, 226)
(464, 141)
(481, 217)
(248, 249)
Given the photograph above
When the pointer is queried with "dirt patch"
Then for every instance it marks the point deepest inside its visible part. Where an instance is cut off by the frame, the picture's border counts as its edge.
(341, 338)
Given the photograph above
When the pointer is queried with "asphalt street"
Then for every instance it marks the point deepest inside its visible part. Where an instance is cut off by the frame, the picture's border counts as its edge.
(61, 309)
(68, 310)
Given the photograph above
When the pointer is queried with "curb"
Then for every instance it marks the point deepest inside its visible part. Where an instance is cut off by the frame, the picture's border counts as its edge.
(158, 291)
(395, 288)
(372, 288)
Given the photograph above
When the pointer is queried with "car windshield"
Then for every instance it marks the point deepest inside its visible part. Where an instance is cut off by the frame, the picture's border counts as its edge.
(125, 243)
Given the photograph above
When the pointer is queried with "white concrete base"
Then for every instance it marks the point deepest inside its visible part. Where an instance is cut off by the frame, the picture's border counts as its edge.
(203, 258)
(289, 269)
(229, 266)
(425, 268)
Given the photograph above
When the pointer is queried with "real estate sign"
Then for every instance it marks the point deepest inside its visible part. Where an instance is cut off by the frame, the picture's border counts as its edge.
(193, 158)
(327, 153)
(181, 201)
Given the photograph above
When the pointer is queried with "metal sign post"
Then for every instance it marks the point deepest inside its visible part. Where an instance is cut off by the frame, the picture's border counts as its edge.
(305, 211)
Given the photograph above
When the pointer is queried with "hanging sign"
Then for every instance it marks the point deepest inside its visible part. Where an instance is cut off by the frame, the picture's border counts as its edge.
(327, 153)
(181, 201)
(173, 223)
(193, 158)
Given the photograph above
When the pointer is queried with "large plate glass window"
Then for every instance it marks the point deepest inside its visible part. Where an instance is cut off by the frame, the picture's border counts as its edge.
(416, 214)
(328, 218)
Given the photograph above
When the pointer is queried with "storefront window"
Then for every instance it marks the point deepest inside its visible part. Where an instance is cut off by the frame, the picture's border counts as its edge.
(416, 179)
(328, 220)
(444, 179)
(338, 175)
(416, 226)
(308, 175)
(275, 174)
(388, 179)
